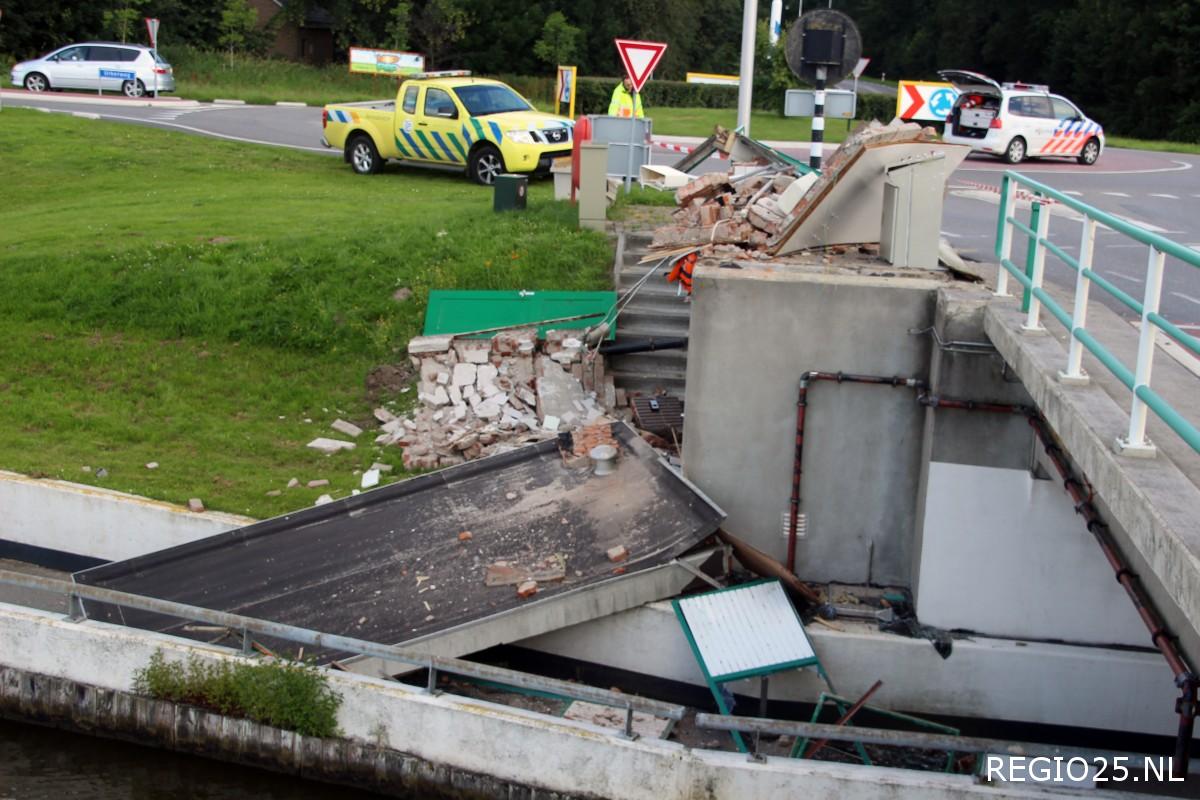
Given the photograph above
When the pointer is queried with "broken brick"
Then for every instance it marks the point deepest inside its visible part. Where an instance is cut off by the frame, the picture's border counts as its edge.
(527, 589)
(465, 536)
(617, 554)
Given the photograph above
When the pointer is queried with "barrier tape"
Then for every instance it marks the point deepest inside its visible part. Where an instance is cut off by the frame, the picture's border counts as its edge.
(679, 148)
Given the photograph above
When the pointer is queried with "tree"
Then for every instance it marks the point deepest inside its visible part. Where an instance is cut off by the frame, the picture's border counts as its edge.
(237, 25)
(399, 19)
(559, 42)
(439, 25)
(122, 22)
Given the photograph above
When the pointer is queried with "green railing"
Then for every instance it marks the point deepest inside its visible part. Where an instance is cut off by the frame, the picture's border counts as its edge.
(1137, 379)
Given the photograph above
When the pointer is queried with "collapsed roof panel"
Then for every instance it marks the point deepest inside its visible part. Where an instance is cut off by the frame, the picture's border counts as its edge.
(435, 552)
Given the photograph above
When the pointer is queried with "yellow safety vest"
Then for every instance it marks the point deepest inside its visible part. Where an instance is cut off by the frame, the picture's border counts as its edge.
(622, 103)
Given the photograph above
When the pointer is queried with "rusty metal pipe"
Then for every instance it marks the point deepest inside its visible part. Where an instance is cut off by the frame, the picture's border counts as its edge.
(798, 462)
(1081, 493)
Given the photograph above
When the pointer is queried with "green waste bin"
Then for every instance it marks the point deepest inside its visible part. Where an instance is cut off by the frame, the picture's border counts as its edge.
(510, 192)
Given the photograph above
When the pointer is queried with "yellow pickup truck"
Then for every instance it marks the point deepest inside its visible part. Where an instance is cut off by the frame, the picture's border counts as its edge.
(449, 119)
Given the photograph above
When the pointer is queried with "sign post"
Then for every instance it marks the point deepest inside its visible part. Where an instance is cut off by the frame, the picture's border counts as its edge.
(1, 91)
(116, 74)
(640, 59)
(824, 46)
(152, 29)
(564, 91)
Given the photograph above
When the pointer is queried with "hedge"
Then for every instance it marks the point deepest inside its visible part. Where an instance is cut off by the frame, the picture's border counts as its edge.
(592, 96)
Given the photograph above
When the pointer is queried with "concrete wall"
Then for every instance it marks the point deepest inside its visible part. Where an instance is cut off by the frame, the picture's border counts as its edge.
(98, 523)
(1006, 555)
(1001, 679)
(753, 332)
(452, 739)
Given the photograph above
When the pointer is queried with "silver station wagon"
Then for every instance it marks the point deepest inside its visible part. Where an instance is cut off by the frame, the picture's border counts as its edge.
(97, 66)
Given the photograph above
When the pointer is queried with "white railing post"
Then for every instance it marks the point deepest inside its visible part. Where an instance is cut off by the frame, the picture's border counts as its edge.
(1075, 376)
(1136, 443)
(1033, 318)
(1008, 201)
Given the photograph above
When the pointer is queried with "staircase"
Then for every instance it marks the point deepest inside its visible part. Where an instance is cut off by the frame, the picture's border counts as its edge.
(656, 311)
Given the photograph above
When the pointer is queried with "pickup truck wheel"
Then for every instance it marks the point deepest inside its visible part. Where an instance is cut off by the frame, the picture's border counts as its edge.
(485, 164)
(1015, 152)
(36, 82)
(1090, 152)
(364, 158)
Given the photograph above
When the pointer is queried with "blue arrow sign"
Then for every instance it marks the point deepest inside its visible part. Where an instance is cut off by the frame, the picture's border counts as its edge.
(942, 101)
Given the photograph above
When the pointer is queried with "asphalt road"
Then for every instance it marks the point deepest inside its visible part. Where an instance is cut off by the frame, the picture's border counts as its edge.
(1160, 191)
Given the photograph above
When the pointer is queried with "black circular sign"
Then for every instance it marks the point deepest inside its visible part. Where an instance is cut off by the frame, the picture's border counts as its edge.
(823, 38)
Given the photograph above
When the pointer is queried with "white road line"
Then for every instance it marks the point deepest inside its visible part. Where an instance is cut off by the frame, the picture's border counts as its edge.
(1180, 166)
(230, 137)
(84, 115)
(1187, 297)
(950, 235)
(1140, 224)
(1166, 196)
(1115, 194)
(1124, 246)
(1074, 194)
(1126, 277)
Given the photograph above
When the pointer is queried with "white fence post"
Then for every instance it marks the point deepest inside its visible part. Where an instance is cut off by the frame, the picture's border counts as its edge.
(1136, 443)
(1075, 376)
(1033, 318)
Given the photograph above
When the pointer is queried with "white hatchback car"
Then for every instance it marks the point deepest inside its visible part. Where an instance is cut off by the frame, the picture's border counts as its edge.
(97, 66)
(1016, 121)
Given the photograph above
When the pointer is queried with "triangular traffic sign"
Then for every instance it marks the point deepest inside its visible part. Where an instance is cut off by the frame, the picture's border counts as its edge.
(640, 59)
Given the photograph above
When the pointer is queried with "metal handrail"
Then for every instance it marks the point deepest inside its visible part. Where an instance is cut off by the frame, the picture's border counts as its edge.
(1137, 380)
(435, 664)
(914, 739)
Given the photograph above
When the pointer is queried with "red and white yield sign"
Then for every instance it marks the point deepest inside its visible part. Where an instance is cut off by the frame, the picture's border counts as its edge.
(640, 59)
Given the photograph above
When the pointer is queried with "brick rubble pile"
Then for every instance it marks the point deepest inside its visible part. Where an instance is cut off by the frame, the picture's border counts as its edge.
(478, 397)
(743, 215)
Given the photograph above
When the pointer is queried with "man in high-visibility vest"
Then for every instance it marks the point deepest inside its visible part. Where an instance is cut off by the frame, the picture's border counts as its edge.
(622, 101)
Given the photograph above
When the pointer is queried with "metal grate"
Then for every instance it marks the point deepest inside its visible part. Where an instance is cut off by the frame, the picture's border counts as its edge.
(659, 415)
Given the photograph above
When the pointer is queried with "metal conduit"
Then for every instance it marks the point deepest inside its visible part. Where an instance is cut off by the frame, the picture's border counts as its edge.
(1186, 679)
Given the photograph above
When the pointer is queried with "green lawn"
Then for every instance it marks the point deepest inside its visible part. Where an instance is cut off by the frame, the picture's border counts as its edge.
(1190, 148)
(213, 306)
(764, 125)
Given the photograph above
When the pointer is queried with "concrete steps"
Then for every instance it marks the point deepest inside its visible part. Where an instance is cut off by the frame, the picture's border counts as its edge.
(656, 311)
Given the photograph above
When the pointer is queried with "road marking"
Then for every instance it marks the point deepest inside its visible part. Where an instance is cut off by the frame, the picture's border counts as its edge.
(1115, 194)
(1180, 166)
(1124, 246)
(950, 235)
(1126, 277)
(1187, 297)
(1074, 194)
(1166, 196)
(216, 135)
(1144, 225)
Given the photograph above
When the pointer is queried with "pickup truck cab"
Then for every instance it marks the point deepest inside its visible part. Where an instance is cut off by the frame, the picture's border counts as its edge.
(449, 119)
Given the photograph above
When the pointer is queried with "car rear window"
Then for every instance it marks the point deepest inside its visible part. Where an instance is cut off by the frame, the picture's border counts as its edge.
(410, 99)
(1030, 106)
(97, 53)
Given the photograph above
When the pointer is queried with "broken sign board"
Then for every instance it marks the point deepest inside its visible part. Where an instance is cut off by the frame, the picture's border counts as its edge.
(390, 566)
(467, 311)
(846, 206)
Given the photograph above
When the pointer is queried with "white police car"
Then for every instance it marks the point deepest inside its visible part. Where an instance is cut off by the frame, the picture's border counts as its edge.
(1016, 121)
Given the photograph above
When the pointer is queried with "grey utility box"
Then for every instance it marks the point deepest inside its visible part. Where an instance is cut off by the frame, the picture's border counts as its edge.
(912, 211)
(623, 135)
(593, 186)
(839, 103)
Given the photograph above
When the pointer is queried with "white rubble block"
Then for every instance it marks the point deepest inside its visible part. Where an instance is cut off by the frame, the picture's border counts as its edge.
(486, 374)
(383, 416)
(429, 344)
(392, 426)
(464, 374)
(787, 201)
(489, 389)
(410, 424)
(443, 378)
(474, 351)
(381, 467)
(455, 393)
(551, 423)
(460, 413)
(330, 445)
(348, 428)
(439, 397)
(322, 500)
(386, 439)
(370, 478)
(488, 409)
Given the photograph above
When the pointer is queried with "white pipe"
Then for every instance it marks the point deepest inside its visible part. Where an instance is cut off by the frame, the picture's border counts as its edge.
(746, 82)
(776, 21)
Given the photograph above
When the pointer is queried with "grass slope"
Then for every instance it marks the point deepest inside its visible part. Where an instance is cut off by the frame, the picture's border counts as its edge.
(213, 306)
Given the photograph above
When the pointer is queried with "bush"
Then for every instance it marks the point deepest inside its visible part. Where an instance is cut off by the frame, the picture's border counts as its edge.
(288, 695)
(876, 106)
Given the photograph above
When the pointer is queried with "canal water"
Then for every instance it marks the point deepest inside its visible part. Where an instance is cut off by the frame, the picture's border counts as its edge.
(44, 764)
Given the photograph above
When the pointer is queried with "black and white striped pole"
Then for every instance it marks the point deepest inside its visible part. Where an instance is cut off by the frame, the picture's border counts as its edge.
(818, 122)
